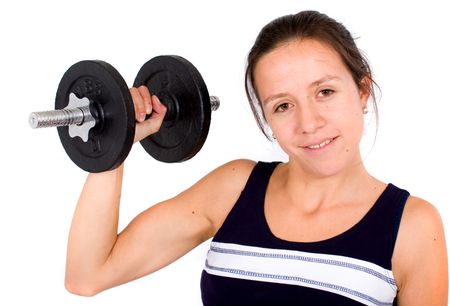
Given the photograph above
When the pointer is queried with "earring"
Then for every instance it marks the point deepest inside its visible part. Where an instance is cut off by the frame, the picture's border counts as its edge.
(365, 110)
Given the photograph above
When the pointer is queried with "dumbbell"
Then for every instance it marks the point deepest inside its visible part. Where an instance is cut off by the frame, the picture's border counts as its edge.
(95, 117)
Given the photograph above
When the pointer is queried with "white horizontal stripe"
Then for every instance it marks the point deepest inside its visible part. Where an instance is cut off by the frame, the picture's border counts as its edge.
(356, 279)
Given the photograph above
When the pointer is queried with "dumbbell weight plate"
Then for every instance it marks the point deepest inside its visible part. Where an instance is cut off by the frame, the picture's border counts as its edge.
(111, 139)
(179, 86)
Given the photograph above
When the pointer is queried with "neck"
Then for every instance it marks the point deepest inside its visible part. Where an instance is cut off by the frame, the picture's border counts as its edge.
(319, 191)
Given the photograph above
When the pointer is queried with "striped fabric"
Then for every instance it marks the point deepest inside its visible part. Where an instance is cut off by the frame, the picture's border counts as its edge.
(356, 279)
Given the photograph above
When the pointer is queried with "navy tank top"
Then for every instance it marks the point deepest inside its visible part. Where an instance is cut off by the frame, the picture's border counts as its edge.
(248, 265)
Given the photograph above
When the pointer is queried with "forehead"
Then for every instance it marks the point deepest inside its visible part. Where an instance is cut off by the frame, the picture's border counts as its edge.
(303, 61)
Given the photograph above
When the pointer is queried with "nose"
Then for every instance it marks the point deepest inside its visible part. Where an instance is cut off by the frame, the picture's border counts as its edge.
(309, 119)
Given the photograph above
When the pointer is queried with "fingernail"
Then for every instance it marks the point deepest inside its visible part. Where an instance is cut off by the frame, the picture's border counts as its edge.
(142, 117)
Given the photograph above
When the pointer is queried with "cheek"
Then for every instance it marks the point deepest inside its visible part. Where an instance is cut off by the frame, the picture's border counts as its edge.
(276, 127)
(354, 127)
(350, 112)
(350, 120)
(281, 126)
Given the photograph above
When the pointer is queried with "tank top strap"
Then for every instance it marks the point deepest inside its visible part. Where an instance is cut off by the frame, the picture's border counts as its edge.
(245, 218)
(388, 212)
(259, 180)
(373, 238)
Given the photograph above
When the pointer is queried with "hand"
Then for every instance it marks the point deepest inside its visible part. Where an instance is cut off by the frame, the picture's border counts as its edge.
(146, 104)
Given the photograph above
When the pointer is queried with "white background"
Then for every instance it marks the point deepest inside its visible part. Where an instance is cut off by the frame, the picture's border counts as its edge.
(407, 44)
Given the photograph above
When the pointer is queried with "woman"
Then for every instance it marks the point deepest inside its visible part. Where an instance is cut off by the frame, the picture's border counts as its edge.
(317, 230)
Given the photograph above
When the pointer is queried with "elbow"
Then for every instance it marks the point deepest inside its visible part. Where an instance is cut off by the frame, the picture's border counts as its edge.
(80, 288)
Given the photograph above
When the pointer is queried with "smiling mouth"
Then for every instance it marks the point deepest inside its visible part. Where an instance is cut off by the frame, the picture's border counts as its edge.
(320, 145)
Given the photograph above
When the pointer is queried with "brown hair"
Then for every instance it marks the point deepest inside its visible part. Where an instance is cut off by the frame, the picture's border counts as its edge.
(306, 24)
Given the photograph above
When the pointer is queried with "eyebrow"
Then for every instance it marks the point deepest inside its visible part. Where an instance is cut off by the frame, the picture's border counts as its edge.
(325, 79)
(317, 83)
(274, 97)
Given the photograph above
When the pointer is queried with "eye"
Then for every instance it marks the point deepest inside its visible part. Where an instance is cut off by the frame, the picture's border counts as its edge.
(326, 92)
(282, 107)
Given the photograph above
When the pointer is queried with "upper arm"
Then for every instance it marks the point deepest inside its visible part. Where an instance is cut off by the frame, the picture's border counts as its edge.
(168, 230)
(420, 257)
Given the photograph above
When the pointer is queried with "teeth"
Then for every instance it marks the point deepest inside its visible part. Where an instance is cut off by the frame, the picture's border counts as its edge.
(320, 145)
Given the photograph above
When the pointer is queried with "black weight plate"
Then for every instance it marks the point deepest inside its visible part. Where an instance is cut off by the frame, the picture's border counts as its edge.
(111, 139)
(179, 86)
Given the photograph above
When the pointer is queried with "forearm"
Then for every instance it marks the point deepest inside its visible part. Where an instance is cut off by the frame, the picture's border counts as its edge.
(94, 228)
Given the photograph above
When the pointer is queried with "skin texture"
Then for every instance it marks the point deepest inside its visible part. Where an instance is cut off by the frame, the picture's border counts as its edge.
(314, 109)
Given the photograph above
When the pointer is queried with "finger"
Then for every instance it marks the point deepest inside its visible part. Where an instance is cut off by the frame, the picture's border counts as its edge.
(145, 94)
(153, 124)
(138, 101)
(158, 107)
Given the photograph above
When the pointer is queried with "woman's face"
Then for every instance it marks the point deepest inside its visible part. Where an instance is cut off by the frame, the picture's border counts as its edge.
(312, 105)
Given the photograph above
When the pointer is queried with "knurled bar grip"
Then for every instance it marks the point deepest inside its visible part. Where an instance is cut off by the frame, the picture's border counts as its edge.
(76, 116)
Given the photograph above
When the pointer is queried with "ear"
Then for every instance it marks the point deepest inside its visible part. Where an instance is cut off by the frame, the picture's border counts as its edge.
(365, 90)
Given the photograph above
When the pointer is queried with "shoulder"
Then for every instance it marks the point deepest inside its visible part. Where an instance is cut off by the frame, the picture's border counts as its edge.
(420, 253)
(420, 216)
(421, 221)
(217, 192)
(240, 168)
(232, 175)
(229, 175)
